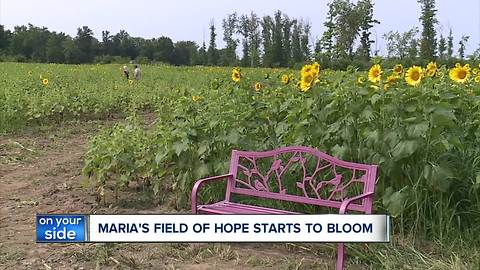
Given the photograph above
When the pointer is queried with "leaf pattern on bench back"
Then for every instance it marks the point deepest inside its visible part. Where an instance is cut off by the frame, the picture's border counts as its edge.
(301, 174)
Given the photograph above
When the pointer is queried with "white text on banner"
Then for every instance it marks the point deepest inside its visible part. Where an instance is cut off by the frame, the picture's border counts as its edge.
(239, 228)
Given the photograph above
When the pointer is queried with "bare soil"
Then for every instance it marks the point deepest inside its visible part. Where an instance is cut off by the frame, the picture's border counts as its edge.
(40, 172)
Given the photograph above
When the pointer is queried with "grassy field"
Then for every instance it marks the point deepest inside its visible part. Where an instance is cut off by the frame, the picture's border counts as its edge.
(179, 124)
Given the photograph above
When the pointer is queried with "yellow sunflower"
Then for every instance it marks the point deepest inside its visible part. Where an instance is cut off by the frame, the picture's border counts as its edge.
(304, 87)
(390, 81)
(459, 73)
(398, 69)
(307, 69)
(361, 80)
(375, 73)
(431, 69)
(316, 69)
(130, 82)
(414, 75)
(195, 98)
(45, 81)
(285, 79)
(236, 74)
(477, 78)
(258, 86)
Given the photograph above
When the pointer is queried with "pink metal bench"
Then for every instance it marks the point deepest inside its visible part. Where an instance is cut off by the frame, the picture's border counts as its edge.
(295, 174)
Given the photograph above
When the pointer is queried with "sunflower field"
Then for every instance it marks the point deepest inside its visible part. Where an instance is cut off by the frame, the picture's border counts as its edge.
(421, 125)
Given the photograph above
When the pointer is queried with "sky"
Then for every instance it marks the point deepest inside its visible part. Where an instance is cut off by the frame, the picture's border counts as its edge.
(189, 19)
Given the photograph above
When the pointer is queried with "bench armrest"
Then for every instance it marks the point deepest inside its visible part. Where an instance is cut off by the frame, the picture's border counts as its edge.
(347, 202)
(199, 184)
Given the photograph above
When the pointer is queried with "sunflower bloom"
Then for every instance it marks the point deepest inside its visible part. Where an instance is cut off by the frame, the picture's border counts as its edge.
(431, 69)
(375, 73)
(414, 75)
(460, 74)
(361, 80)
(391, 80)
(195, 98)
(130, 82)
(309, 77)
(477, 78)
(285, 79)
(398, 69)
(258, 86)
(236, 74)
(45, 81)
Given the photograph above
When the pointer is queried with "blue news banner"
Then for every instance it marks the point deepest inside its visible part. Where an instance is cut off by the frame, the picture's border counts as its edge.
(59, 228)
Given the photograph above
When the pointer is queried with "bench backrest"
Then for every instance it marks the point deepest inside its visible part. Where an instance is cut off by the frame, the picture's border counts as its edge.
(302, 175)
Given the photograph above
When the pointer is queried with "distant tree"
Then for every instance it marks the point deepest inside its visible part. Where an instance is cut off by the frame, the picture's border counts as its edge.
(229, 25)
(184, 52)
(243, 29)
(413, 49)
(297, 55)
(164, 50)
(325, 44)
(450, 44)
(287, 35)
(401, 45)
(463, 44)
(5, 39)
(267, 29)
(428, 43)
(365, 10)
(442, 47)
(304, 41)
(212, 54)
(71, 51)
(107, 43)
(255, 40)
(277, 41)
(54, 48)
(202, 55)
(85, 43)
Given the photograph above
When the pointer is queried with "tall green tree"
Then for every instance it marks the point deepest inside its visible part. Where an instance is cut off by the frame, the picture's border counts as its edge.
(297, 55)
(54, 48)
(277, 41)
(450, 44)
(442, 47)
(267, 42)
(304, 41)
(287, 35)
(462, 45)
(428, 42)
(229, 25)
(85, 43)
(202, 55)
(5, 39)
(212, 53)
(365, 11)
(243, 30)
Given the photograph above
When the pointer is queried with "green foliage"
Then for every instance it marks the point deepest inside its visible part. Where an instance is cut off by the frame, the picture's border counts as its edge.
(423, 138)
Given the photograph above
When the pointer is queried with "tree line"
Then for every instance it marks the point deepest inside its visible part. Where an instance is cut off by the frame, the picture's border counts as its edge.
(250, 41)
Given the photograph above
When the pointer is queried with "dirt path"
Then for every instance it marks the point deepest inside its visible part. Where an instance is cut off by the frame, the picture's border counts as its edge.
(41, 173)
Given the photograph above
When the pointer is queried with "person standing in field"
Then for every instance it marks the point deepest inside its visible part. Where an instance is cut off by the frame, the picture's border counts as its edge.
(137, 73)
(125, 72)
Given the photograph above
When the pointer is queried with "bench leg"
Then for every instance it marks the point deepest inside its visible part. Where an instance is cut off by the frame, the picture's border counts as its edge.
(340, 256)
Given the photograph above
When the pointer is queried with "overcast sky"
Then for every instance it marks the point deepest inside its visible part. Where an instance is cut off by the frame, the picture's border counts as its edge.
(189, 19)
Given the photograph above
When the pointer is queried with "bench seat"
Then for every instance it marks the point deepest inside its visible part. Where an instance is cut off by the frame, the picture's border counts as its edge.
(224, 207)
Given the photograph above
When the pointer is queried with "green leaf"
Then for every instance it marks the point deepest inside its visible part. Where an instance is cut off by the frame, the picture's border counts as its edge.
(417, 130)
(404, 149)
(438, 177)
(395, 201)
(179, 147)
(375, 98)
(202, 149)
